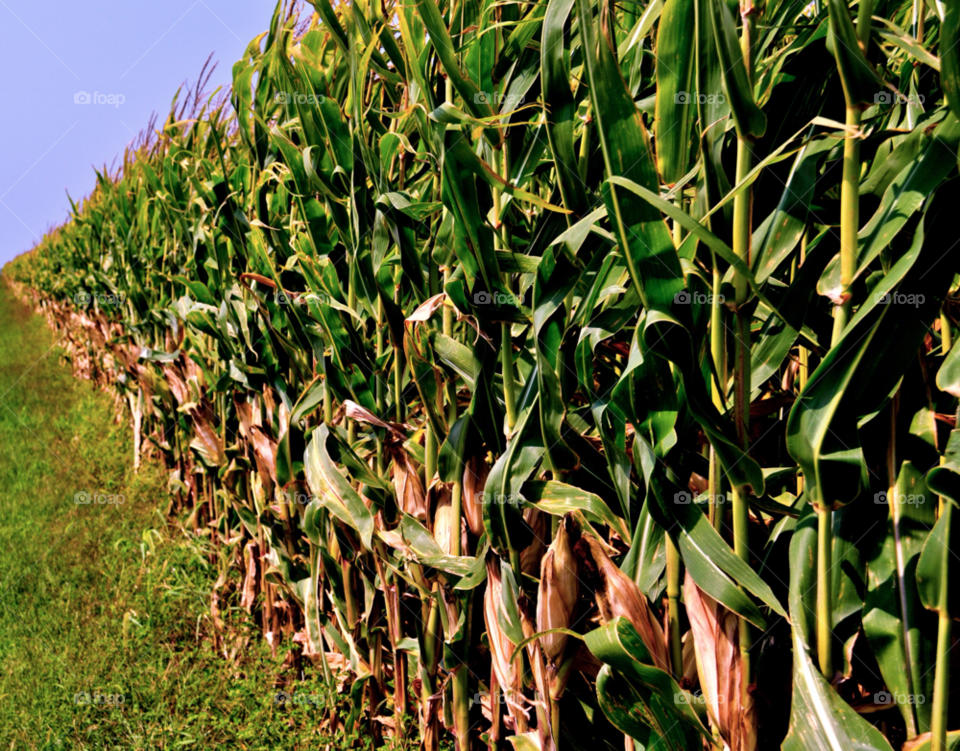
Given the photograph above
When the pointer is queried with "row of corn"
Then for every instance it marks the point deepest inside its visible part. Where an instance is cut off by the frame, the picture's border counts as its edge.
(567, 374)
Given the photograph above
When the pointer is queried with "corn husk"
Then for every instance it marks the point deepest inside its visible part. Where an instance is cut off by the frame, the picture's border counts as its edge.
(716, 638)
(474, 481)
(501, 648)
(617, 595)
(559, 591)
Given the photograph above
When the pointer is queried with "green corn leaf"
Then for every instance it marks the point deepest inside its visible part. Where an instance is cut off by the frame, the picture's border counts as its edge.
(558, 498)
(819, 718)
(562, 118)
(334, 490)
(860, 82)
(638, 698)
(675, 108)
(749, 119)
(950, 57)
(894, 621)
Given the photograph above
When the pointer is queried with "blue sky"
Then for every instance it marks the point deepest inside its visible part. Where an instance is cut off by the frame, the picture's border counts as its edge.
(139, 52)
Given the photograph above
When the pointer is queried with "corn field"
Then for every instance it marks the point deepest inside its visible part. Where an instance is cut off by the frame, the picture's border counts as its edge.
(570, 374)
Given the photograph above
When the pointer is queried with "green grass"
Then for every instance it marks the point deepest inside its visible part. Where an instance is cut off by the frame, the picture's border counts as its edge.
(72, 575)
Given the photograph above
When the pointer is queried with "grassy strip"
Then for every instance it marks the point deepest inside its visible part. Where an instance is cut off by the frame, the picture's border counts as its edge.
(105, 601)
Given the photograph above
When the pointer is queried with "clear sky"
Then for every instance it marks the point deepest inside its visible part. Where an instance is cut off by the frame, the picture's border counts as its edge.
(138, 52)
